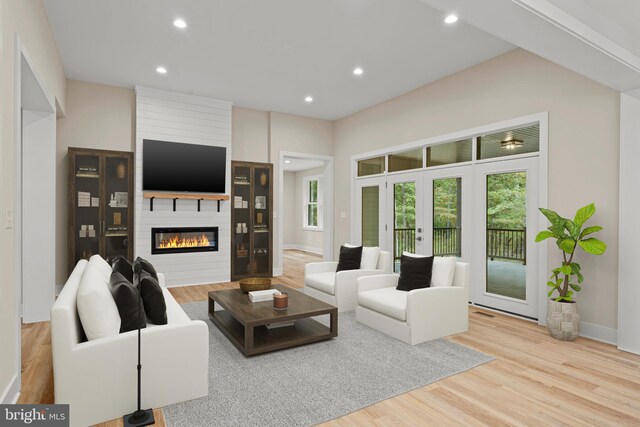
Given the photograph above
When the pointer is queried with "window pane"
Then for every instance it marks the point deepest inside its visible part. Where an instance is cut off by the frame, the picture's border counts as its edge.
(313, 190)
(451, 152)
(313, 215)
(407, 160)
(509, 143)
(447, 216)
(404, 230)
(371, 166)
(370, 216)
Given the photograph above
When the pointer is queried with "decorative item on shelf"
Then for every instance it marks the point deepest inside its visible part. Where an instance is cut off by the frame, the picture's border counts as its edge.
(254, 284)
(87, 172)
(95, 202)
(117, 218)
(84, 199)
(280, 301)
(237, 202)
(563, 320)
(241, 252)
(240, 179)
(121, 170)
(245, 204)
(261, 251)
(261, 202)
(263, 178)
(259, 217)
(91, 232)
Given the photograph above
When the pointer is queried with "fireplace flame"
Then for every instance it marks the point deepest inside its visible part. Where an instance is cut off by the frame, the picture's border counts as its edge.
(179, 242)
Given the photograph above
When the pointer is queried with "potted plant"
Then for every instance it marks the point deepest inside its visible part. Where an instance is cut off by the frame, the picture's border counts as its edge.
(563, 320)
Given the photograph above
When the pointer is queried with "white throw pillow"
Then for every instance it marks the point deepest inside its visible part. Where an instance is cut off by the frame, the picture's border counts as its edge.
(102, 265)
(442, 273)
(96, 308)
(369, 259)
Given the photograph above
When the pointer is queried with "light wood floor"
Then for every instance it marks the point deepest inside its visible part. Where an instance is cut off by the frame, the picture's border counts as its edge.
(534, 381)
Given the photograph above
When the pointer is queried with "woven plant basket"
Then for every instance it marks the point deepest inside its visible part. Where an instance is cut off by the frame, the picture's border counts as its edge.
(563, 320)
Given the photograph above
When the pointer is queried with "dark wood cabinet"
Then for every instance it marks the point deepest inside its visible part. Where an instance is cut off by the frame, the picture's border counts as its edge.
(100, 204)
(251, 220)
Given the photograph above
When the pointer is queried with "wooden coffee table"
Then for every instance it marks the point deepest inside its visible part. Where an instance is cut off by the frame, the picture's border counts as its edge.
(244, 322)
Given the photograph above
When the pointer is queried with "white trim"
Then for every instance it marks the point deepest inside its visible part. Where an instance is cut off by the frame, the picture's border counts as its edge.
(11, 393)
(327, 213)
(317, 251)
(599, 333)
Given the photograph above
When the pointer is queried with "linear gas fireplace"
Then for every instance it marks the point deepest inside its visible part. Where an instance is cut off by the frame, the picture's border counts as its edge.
(183, 239)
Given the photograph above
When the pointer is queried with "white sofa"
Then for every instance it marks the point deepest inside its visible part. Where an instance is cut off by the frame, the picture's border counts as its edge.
(98, 378)
(321, 281)
(416, 316)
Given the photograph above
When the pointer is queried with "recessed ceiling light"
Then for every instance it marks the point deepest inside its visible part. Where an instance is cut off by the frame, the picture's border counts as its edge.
(451, 19)
(161, 70)
(180, 23)
(287, 161)
(358, 71)
(308, 99)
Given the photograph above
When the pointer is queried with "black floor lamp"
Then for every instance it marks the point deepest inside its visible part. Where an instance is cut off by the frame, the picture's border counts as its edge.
(141, 417)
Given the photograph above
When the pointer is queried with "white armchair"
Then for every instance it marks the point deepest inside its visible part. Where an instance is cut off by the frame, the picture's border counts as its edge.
(321, 281)
(416, 316)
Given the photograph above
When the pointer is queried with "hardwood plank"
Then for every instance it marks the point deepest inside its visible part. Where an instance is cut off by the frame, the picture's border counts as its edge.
(535, 379)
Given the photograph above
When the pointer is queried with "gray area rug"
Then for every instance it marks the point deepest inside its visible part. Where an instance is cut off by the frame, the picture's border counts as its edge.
(314, 383)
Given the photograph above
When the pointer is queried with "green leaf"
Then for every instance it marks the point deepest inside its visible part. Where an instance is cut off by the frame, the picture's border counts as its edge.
(566, 269)
(580, 277)
(544, 235)
(558, 283)
(593, 246)
(576, 288)
(575, 267)
(590, 230)
(552, 216)
(584, 214)
(550, 292)
(558, 231)
(572, 228)
(567, 245)
(550, 283)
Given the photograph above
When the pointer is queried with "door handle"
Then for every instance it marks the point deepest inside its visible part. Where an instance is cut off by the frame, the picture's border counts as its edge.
(419, 238)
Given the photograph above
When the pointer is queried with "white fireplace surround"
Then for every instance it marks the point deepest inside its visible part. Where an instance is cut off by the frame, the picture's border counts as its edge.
(175, 117)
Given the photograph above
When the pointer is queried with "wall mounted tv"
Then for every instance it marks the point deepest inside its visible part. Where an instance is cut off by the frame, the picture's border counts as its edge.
(170, 166)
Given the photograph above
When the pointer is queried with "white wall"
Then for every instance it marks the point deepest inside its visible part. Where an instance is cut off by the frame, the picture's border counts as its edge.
(174, 117)
(583, 148)
(99, 117)
(629, 282)
(29, 20)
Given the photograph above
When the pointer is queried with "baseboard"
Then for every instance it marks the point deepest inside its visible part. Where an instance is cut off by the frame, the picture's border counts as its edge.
(317, 251)
(11, 394)
(599, 333)
(277, 272)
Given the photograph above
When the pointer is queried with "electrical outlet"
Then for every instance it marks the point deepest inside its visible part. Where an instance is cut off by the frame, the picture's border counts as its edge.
(8, 218)
(343, 214)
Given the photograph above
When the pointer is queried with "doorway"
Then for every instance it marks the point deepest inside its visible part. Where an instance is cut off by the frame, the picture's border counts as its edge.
(305, 212)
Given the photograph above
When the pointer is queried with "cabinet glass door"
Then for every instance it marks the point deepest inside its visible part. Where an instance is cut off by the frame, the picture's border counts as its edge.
(115, 203)
(261, 225)
(242, 214)
(87, 206)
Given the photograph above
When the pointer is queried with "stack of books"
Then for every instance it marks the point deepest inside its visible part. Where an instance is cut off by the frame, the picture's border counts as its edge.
(260, 296)
(84, 199)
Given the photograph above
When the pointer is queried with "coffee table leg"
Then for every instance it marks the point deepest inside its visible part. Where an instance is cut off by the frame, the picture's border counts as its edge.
(334, 324)
(248, 339)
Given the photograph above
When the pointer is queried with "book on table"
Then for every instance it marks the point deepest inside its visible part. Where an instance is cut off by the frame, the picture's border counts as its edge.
(261, 296)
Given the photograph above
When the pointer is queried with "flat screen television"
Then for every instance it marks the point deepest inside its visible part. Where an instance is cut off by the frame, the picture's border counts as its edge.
(170, 166)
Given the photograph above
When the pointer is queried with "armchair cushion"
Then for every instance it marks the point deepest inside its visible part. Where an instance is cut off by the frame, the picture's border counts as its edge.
(443, 269)
(415, 272)
(96, 308)
(324, 282)
(350, 258)
(388, 301)
(370, 255)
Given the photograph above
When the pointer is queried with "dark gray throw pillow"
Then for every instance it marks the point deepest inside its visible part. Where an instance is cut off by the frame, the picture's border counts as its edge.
(124, 267)
(153, 299)
(146, 266)
(350, 258)
(415, 273)
(126, 297)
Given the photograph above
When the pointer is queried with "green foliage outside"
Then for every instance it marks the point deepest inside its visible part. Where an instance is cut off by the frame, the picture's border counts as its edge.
(570, 235)
(312, 207)
(507, 201)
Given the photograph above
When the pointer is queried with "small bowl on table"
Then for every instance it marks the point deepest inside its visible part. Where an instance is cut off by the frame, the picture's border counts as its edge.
(255, 284)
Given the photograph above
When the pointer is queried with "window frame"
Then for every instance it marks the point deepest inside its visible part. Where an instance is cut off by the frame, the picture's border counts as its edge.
(306, 202)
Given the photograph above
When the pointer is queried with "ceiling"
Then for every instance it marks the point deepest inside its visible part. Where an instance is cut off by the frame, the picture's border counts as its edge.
(296, 164)
(268, 55)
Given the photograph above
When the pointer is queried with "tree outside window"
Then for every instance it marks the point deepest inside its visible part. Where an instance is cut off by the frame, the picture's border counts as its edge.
(312, 208)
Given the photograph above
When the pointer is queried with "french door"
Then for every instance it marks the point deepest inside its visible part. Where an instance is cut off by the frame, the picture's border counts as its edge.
(505, 261)
(405, 217)
(370, 210)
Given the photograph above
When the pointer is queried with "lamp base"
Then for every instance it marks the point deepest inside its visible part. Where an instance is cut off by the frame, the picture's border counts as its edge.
(142, 417)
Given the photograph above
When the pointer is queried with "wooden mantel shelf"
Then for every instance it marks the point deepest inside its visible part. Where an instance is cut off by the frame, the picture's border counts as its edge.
(190, 196)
